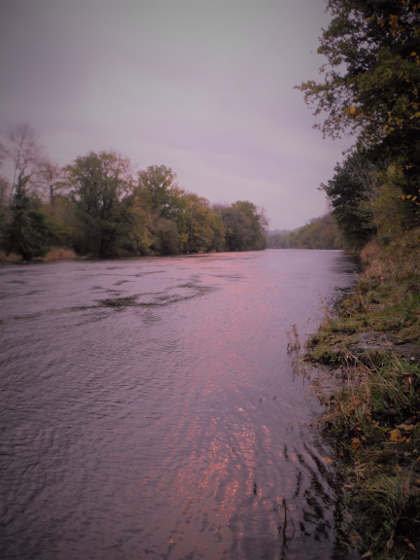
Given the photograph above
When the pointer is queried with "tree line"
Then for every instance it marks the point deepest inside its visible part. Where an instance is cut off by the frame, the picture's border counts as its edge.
(319, 233)
(370, 89)
(98, 207)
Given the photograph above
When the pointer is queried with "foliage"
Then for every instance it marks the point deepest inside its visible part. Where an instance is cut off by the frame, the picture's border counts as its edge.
(372, 72)
(373, 342)
(4, 209)
(244, 226)
(320, 233)
(28, 233)
(98, 182)
(370, 88)
(95, 207)
(349, 191)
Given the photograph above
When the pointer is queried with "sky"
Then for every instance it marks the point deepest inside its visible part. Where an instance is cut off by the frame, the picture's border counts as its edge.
(205, 87)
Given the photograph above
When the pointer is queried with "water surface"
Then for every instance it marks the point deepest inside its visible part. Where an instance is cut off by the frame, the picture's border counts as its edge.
(150, 410)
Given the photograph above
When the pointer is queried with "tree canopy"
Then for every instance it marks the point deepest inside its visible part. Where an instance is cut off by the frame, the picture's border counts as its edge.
(370, 90)
(372, 72)
(98, 207)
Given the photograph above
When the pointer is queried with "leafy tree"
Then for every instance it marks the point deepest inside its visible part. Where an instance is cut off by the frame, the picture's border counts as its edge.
(370, 88)
(136, 230)
(243, 225)
(161, 191)
(218, 242)
(372, 72)
(98, 182)
(198, 221)
(28, 233)
(349, 192)
(320, 233)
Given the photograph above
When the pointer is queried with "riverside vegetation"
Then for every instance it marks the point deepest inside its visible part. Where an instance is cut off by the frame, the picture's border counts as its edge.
(98, 207)
(372, 339)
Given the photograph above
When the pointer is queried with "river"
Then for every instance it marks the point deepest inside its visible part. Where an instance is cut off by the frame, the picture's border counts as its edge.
(150, 409)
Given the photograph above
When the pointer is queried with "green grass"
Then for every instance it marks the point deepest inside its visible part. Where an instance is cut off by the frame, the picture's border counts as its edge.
(373, 417)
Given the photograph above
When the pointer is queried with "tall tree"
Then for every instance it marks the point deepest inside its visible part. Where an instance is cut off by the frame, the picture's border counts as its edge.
(22, 154)
(98, 182)
(350, 192)
(27, 232)
(243, 225)
(372, 73)
(371, 89)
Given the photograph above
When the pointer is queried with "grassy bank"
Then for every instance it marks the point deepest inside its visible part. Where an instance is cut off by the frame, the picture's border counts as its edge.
(372, 347)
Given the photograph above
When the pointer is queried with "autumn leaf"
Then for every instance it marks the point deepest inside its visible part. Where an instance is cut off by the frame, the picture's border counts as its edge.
(355, 443)
(395, 436)
(327, 460)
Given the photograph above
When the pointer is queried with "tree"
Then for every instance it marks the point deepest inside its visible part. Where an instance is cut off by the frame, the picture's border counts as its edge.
(372, 72)
(52, 177)
(198, 224)
(98, 183)
(371, 90)
(22, 151)
(158, 183)
(4, 210)
(350, 191)
(28, 232)
(243, 225)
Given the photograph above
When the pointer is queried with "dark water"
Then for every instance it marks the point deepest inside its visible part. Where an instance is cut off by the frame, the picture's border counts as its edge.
(149, 409)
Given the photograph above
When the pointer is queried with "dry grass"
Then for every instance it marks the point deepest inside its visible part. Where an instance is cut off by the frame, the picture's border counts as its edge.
(373, 417)
(59, 254)
(9, 259)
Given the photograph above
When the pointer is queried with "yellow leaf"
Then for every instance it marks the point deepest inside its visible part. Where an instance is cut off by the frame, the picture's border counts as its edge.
(395, 435)
(352, 110)
(398, 468)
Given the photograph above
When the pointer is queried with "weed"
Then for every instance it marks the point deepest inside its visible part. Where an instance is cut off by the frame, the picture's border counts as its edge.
(373, 416)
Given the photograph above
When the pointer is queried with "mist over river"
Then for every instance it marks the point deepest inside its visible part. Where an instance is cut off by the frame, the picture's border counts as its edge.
(150, 409)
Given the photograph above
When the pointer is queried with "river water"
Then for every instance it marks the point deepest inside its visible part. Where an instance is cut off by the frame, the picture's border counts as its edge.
(150, 409)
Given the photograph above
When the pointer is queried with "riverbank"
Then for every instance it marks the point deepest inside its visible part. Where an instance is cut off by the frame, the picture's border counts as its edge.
(53, 255)
(371, 345)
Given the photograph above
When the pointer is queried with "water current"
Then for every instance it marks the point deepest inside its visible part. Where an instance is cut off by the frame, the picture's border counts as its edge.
(150, 409)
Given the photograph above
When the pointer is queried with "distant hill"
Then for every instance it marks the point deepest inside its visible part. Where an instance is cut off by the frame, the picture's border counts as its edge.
(319, 233)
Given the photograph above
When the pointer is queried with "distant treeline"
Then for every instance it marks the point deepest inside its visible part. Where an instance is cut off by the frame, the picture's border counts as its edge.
(98, 207)
(320, 233)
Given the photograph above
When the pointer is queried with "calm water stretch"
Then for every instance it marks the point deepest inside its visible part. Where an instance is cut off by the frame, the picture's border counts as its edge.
(150, 409)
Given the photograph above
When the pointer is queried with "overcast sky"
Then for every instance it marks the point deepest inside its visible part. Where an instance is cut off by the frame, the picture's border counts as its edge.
(205, 87)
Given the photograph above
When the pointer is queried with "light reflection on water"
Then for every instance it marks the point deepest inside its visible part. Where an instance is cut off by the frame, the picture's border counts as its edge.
(151, 411)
